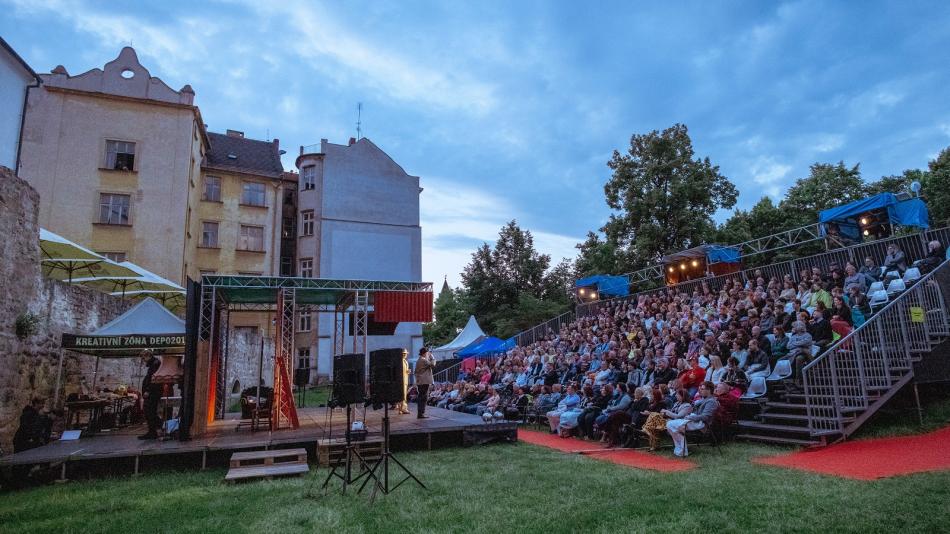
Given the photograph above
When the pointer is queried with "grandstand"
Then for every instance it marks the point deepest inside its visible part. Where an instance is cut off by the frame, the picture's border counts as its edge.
(845, 382)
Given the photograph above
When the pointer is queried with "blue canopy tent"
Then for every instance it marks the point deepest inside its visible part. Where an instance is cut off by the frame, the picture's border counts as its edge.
(485, 346)
(851, 220)
(607, 285)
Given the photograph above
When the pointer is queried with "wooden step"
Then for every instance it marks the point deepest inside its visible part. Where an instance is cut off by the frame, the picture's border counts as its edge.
(267, 471)
(778, 440)
(270, 457)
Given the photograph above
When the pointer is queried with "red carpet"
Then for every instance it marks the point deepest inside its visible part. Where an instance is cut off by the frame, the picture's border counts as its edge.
(874, 458)
(631, 458)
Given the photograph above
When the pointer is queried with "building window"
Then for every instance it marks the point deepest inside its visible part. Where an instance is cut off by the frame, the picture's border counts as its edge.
(252, 238)
(306, 268)
(303, 358)
(114, 208)
(212, 189)
(253, 194)
(306, 222)
(306, 320)
(120, 155)
(209, 234)
(117, 257)
(308, 177)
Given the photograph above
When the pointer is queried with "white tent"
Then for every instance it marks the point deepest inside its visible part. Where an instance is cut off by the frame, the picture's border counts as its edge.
(470, 333)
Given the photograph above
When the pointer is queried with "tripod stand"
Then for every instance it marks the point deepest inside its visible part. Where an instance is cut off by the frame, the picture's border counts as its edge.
(351, 454)
(381, 479)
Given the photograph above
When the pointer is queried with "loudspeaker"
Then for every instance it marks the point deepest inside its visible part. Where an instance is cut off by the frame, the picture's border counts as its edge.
(301, 377)
(349, 382)
(386, 378)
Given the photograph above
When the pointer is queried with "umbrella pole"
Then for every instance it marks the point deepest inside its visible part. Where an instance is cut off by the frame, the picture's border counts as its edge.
(59, 380)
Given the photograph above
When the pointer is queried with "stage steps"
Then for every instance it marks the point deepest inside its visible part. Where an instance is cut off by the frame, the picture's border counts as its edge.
(267, 464)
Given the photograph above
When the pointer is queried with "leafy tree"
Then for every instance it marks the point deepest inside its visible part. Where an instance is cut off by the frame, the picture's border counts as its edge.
(596, 256)
(529, 311)
(559, 282)
(826, 186)
(451, 314)
(664, 195)
(936, 188)
(896, 183)
(736, 229)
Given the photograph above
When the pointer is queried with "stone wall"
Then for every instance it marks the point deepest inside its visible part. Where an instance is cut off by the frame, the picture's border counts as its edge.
(29, 366)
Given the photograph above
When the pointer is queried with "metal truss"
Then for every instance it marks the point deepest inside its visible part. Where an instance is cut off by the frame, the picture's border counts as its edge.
(272, 307)
(284, 412)
(221, 384)
(360, 320)
(206, 312)
(284, 282)
(339, 323)
(788, 238)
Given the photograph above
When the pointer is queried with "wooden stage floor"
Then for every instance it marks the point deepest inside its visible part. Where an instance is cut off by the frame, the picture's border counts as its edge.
(441, 428)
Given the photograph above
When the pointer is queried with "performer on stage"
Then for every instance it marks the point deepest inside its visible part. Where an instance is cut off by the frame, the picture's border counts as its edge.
(404, 405)
(424, 366)
(152, 394)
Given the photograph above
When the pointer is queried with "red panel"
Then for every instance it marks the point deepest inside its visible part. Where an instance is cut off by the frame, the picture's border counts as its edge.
(402, 307)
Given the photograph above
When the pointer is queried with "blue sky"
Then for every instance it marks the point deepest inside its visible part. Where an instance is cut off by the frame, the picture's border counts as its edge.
(511, 109)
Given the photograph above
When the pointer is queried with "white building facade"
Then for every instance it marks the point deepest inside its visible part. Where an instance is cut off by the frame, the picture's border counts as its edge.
(16, 77)
(358, 218)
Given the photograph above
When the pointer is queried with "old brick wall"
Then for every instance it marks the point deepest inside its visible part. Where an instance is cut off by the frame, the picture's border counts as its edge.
(28, 367)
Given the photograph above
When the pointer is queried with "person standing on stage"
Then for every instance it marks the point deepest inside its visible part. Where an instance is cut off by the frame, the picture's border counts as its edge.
(152, 393)
(424, 366)
(404, 405)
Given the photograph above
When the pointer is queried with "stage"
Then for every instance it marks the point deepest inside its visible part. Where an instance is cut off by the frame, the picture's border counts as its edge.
(121, 451)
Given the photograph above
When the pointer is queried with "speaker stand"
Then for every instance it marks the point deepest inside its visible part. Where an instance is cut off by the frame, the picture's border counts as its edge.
(379, 474)
(351, 455)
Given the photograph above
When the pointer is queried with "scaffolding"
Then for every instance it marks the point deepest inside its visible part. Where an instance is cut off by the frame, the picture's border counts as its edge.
(285, 297)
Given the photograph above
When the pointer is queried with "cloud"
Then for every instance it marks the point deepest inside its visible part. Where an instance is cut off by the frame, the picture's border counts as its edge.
(828, 142)
(769, 174)
(457, 218)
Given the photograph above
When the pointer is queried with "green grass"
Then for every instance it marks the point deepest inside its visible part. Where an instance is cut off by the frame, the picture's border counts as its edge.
(508, 488)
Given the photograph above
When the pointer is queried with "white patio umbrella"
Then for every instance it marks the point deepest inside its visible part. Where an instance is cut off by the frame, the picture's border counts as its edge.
(63, 259)
(174, 300)
(140, 280)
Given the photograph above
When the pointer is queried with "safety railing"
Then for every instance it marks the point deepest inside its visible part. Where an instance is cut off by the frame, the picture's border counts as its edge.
(543, 330)
(872, 360)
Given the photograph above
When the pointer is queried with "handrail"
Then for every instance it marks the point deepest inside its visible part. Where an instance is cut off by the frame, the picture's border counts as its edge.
(842, 376)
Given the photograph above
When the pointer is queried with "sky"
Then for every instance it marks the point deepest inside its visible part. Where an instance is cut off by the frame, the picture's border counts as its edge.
(510, 110)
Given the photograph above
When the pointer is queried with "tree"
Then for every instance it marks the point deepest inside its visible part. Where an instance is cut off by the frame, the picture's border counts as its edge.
(825, 187)
(896, 183)
(509, 285)
(936, 188)
(665, 197)
(451, 314)
(596, 256)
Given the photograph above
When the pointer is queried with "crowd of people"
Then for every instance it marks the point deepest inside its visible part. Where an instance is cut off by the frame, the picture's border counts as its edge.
(672, 361)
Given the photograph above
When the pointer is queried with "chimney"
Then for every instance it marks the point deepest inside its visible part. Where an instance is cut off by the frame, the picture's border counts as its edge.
(235, 133)
(276, 144)
(352, 141)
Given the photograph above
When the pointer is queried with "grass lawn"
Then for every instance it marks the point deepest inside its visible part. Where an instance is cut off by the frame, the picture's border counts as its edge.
(505, 488)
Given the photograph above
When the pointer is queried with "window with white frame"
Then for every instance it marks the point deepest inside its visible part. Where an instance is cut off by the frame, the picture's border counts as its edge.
(308, 177)
(114, 208)
(306, 222)
(209, 234)
(303, 358)
(305, 322)
(120, 155)
(306, 268)
(212, 190)
(253, 194)
(251, 238)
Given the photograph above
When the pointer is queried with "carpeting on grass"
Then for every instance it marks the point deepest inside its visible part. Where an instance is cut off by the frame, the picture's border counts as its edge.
(873, 458)
(627, 457)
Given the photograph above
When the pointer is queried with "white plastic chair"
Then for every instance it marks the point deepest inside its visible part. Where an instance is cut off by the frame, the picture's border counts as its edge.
(896, 286)
(892, 274)
(757, 388)
(876, 286)
(878, 299)
(783, 370)
(815, 349)
(911, 274)
(770, 337)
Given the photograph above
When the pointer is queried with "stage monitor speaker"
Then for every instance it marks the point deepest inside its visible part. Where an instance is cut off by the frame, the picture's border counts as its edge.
(386, 378)
(301, 377)
(349, 382)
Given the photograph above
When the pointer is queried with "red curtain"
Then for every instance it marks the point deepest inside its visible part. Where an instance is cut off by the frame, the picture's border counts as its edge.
(402, 307)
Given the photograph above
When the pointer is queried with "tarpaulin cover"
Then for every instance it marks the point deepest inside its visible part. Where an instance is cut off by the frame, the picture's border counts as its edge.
(488, 345)
(910, 212)
(721, 254)
(607, 285)
(402, 307)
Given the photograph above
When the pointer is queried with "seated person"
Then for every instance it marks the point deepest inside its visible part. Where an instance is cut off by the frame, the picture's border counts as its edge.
(703, 411)
(570, 401)
(820, 329)
(894, 260)
(656, 422)
(35, 427)
(585, 421)
(568, 418)
(799, 349)
(757, 362)
(728, 406)
(619, 403)
(780, 345)
(735, 377)
(936, 254)
(517, 404)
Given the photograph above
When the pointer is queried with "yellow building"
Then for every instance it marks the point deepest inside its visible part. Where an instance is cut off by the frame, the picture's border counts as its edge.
(116, 154)
(239, 211)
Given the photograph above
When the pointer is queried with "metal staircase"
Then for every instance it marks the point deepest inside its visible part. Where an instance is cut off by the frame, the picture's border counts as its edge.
(855, 377)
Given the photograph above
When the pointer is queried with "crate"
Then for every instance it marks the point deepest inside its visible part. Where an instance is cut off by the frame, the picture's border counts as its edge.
(267, 464)
(331, 452)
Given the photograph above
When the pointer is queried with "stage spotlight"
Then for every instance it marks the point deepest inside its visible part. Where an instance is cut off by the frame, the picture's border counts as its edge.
(582, 291)
(864, 221)
(683, 266)
(867, 233)
(672, 269)
(593, 295)
(695, 263)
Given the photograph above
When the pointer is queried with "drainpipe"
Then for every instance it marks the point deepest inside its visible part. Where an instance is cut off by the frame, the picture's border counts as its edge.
(19, 145)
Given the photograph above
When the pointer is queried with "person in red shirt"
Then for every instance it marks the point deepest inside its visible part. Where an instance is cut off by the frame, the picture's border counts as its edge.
(692, 376)
(728, 405)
